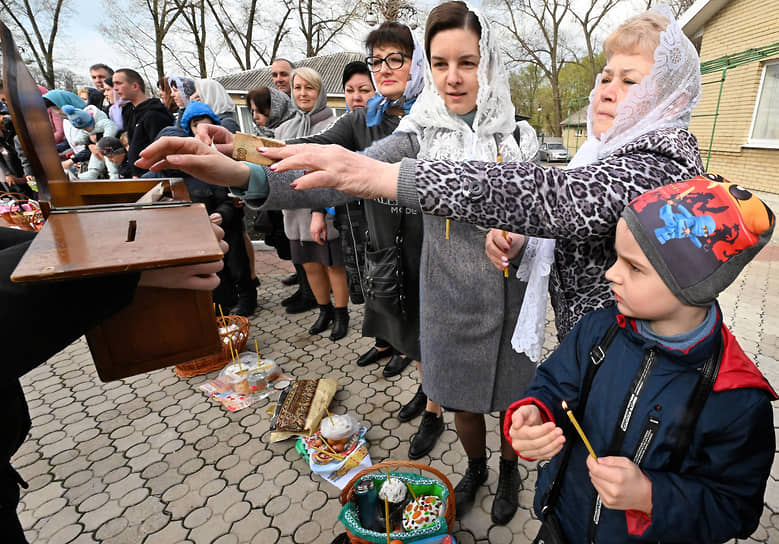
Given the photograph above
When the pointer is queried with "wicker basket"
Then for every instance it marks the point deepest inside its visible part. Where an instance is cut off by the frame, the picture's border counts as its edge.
(347, 494)
(25, 220)
(237, 337)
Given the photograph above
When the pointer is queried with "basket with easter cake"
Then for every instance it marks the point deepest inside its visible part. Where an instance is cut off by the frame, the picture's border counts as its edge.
(404, 501)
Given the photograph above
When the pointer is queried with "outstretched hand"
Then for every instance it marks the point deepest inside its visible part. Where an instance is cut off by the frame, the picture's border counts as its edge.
(216, 136)
(531, 437)
(333, 166)
(195, 158)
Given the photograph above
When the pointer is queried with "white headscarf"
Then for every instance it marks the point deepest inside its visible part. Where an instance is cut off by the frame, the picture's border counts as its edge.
(664, 99)
(215, 96)
(443, 135)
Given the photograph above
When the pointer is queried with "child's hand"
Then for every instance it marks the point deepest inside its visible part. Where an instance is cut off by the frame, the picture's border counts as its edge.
(621, 484)
(531, 437)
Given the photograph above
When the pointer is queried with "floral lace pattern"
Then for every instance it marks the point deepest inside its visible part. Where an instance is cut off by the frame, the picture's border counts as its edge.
(663, 99)
(443, 135)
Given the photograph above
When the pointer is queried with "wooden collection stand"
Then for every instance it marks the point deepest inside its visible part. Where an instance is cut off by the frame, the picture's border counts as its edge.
(108, 227)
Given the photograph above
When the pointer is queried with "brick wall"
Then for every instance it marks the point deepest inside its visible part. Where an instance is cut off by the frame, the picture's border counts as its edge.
(740, 25)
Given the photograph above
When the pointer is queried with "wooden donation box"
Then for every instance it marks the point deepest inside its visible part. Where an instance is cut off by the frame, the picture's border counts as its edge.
(109, 227)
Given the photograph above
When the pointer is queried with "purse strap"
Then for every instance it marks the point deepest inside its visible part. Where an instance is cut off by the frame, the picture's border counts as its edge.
(698, 399)
(597, 355)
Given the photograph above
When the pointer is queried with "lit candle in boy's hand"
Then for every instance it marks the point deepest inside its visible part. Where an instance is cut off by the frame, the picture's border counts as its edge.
(579, 430)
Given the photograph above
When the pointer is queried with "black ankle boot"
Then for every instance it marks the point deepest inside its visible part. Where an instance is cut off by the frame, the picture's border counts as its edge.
(465, 491)
(247, 297)
(506, 500)
(414, 407)
(340, 324)
(305, 299)
(323, 321)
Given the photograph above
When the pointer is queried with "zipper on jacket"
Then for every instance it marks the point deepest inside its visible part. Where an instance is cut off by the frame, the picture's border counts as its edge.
(628, 409)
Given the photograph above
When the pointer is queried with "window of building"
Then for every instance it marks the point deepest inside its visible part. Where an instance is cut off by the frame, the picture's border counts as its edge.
(245, 120)
(765, 121)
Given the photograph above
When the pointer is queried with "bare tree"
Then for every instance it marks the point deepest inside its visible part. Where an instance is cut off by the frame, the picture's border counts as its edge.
(239, 26)
(525, 84)
(38, 22)
(537, 26)
(590, 17)
(140, 27)
(193, 13)
(677, 6)
(321, 20)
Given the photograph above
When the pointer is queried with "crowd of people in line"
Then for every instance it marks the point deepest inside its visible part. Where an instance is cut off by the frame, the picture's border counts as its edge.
(431, 211)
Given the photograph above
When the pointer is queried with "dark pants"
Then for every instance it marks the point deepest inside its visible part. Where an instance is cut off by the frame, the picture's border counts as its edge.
(15, 428)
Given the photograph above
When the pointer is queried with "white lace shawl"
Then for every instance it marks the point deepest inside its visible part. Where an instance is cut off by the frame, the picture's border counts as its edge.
(664, 99)
(443, 135)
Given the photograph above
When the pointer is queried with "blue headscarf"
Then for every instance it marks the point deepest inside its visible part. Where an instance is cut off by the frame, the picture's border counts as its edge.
(62, 98)
(378, 104)
(197, 109)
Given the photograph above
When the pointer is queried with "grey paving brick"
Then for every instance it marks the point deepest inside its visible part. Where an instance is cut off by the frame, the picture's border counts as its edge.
(107, 511)
(155, 444)
(269, 534)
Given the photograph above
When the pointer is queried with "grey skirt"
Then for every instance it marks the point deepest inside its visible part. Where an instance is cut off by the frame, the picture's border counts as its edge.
(329, 254)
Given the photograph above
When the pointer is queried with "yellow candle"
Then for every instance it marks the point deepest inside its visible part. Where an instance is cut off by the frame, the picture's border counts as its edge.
(579, 430)
(386, 516)
(505, 237)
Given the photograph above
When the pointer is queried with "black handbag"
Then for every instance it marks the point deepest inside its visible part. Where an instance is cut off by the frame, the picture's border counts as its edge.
(383, 281)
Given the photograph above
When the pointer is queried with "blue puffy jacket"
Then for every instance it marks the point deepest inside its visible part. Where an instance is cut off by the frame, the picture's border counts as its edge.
(718, 492)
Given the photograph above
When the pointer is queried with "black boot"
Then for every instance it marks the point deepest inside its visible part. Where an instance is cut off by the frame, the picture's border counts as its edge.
(465, 491)
(414, 407)
(506, 500)
(305, 301)
(299, 272)
(290, 299)
(374, 355)
(323, 321)
(292, 279)
(430, 428)
(247, 297)
(340, 324)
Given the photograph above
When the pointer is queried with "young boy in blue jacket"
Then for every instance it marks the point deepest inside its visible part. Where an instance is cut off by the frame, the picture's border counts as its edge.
(678, 247)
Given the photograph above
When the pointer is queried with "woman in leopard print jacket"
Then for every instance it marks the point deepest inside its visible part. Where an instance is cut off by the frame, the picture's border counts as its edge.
(637, 140)
(578, 207)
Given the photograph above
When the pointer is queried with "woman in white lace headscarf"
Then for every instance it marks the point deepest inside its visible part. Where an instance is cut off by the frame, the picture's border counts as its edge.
(638, 119)
(468, 309)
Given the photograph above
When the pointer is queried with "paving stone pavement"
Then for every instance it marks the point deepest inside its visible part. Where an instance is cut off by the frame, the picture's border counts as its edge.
(149, 459)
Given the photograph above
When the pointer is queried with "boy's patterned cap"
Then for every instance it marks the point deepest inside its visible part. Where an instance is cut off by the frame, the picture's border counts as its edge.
(699, 234)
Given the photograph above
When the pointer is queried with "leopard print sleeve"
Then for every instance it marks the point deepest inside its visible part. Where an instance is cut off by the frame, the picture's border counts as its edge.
(579, 203)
